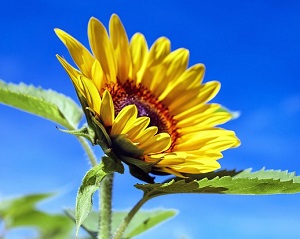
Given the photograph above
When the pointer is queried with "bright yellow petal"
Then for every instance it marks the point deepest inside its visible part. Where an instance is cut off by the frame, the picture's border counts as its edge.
(159, 50)
(107, 109)
(98, 75)
(204, 121)
(139, 54)
(139, 126)
(156, 144)
(191, 78)
(81, 56)
(196, 168)
(209, 90)
(72, 72)
(197, 110)
(175, 63)
(121, 47)
(102, 48)
(199, 139)
(145, 135)
(195, 96)
(165, 159)
(91, 94)
(124, 120)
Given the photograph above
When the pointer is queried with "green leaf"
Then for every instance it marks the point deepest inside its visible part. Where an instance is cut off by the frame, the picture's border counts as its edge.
(44, 103)
(13, 208)
(146, 220)
(243, 183)
(142, 221)
(89, 185)
(22, 212)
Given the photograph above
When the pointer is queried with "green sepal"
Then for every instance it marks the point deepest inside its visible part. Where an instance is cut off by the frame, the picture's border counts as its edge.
(144, 166)
(125, 147)
(89, 185)
(139, 168)
(101, 136)
(140, 174)
(111, 165)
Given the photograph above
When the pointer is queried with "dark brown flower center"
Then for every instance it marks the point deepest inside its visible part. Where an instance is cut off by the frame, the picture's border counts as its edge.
(147, 105)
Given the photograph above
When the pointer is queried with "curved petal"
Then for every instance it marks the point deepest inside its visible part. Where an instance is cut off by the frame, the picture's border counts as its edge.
(81, 56)
(124, 120)
(72, 72)
(175, 64)
(107, 109)
(121, 47)
(91, 94)
(139, 54)
(159, 50)
(102, 48)
(156, 144)
(139, 126)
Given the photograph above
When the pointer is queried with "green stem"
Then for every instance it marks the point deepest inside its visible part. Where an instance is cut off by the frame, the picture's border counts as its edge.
(130, 215)
(88, 151)
(105, 213)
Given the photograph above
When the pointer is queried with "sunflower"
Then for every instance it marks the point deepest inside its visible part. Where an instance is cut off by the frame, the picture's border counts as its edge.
(149, 99)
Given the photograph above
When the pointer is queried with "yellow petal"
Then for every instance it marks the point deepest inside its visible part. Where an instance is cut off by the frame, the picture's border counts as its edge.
(145, 135)
(175, 63)
(165, 159)
(98, 75)
(139, 125)
(102, 48)
(205, 120)
(91, 94)
(121, 47)
(196, 110)
(191, 78)
(156, 144)
(124, 120)
(159, 50)
(209, 90)
(196, 168)
(72, 72)
(139, 54)
(195, 96)
(184, 101)
(107, 109)
(222, 143)
(81, 56)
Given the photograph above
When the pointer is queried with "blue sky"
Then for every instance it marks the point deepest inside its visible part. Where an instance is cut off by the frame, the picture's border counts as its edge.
(252, 48)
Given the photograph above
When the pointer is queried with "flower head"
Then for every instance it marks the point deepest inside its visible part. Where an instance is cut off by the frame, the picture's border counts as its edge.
(149, 99)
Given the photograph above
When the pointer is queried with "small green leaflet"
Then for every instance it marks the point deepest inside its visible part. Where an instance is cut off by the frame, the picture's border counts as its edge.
(44, 103)
(142, 221)
(243, 183)
(22, 212)
(89, 185)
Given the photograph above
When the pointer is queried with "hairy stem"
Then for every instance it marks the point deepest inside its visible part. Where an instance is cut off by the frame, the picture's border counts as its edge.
(105, 200)
(130, 215)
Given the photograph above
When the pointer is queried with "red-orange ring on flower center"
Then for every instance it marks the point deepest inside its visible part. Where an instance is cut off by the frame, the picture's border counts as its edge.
(147, 105)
